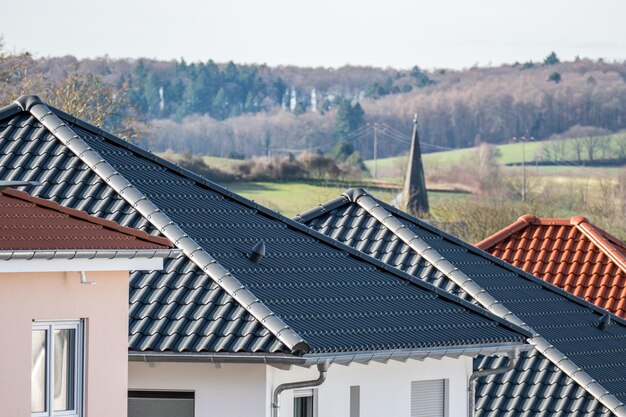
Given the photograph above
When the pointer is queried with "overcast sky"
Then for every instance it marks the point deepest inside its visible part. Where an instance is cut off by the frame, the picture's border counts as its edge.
(330, 33)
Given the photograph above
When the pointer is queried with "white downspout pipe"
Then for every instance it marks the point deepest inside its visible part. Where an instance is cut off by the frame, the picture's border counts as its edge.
(321, 367)
(471, 388)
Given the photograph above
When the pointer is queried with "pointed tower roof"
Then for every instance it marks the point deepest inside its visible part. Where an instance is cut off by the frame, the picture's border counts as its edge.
(414, 195)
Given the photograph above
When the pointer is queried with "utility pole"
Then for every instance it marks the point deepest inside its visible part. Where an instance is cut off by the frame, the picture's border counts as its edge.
(375, 150)
(523, 140)
(523, 168)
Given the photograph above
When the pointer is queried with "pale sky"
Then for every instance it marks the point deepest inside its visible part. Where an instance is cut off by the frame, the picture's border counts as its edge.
(383, 33)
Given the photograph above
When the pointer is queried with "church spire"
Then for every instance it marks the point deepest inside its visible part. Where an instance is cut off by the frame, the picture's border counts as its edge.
(414, 197)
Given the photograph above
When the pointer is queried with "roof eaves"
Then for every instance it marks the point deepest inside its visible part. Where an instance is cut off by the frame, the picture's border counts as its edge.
(86, 254)
(419, 354)
(289, 222)
(521, 223)
(108, 224)
(162, 222)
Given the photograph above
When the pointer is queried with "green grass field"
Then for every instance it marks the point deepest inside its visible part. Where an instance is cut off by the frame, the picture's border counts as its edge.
(606, 147)
(225, 164)
(294, 197)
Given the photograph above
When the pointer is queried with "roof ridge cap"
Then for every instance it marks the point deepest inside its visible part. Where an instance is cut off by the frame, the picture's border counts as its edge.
(521, 223)
(82, 215)
(603, 242)
(194, 252)
(321, 209)
(582, 378)
(353, 194)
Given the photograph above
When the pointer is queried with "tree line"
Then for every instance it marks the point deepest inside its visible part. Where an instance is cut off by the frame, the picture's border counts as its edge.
(250, 110)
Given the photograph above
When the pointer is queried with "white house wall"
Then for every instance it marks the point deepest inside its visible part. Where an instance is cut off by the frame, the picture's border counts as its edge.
(220, 390)
(246, 389)
(385, 388)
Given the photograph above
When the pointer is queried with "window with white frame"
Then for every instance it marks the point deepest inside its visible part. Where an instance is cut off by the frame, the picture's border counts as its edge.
(57, 368)
(304, 403)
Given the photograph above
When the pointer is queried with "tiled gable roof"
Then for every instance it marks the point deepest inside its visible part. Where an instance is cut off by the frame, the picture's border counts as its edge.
(306, 295)
(573, 352)
(571, 253)
(30, 223)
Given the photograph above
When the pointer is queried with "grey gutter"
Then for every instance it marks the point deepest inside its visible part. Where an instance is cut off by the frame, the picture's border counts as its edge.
(369, 204)
(215, 357)
(322, 368)
(88, 254)
(163, 223)
(335, 357)
(471, 387)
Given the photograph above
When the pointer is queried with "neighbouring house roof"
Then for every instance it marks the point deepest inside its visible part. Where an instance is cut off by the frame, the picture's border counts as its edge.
(571, 253)
(578, 367)
(308, 295)
(32, 224)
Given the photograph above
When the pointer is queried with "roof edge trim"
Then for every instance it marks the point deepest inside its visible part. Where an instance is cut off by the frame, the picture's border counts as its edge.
(520, 224)
(108, 224)
(167, 227)
(208, 357)
(418, 354)
(86, 254)
(603, 242)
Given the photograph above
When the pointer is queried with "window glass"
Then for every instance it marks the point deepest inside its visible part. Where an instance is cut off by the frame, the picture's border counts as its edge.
(56, 369)
(64, 369)
(38, 372)
(303, 406)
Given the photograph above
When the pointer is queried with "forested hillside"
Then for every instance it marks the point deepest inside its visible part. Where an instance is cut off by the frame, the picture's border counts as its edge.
(232, 109)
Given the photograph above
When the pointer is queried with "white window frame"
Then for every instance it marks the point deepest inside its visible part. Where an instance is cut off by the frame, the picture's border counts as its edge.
(50, 327)
(311, 392)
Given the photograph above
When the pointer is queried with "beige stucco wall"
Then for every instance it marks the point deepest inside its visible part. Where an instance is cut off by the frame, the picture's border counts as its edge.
(59, 295)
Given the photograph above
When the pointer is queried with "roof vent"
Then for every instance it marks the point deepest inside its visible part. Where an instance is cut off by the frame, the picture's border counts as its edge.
(258, 252)
(605, 322)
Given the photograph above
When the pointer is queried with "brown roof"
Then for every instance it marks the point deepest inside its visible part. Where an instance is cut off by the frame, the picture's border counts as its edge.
(30, 223)
(570, 253)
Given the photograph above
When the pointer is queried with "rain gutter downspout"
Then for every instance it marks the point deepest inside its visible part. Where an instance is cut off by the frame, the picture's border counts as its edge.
(471, 387)
(322, 368)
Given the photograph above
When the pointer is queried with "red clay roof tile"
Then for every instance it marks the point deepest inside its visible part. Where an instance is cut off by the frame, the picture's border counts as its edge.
(570, 253)
(30, 223)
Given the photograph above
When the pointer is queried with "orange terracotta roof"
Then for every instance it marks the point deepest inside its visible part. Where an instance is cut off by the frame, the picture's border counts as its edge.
(570, 253)
(30, 223)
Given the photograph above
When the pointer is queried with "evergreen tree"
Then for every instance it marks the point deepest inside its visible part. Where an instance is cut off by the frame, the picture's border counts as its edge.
(551, 59)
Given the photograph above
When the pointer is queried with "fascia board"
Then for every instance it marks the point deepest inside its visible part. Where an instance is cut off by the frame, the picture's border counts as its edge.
(77, 265)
